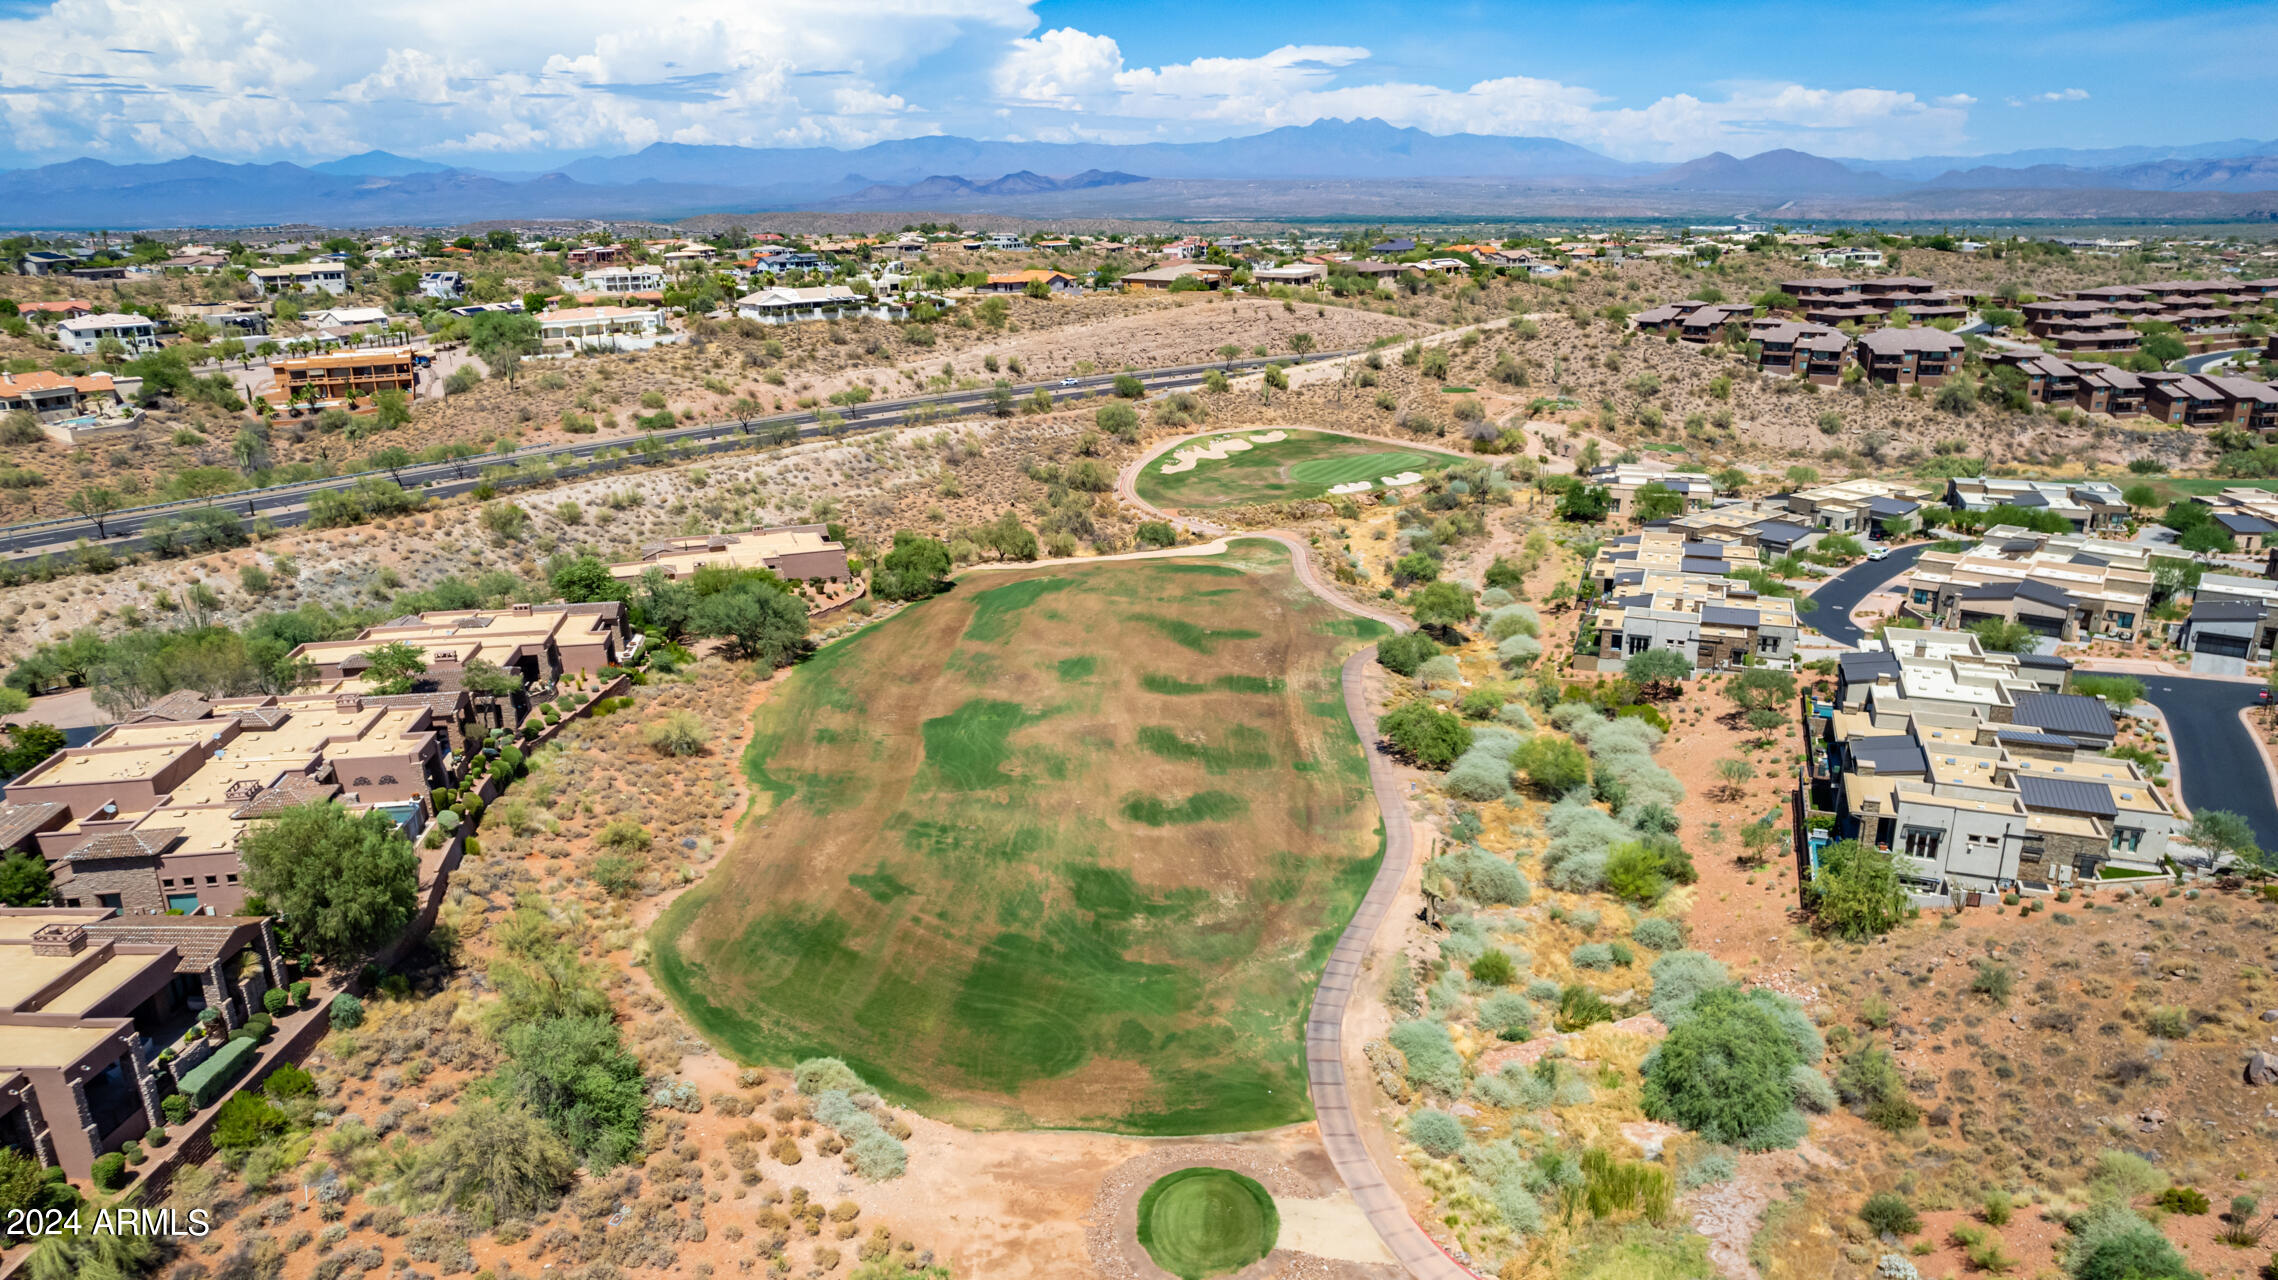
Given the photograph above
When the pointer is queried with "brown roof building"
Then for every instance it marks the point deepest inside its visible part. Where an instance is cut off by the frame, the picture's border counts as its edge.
(1910, 355)
(326, 381)
(798, 552)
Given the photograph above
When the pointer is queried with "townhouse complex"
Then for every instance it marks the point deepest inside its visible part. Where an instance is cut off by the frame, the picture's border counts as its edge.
(1660, 591)
(2062, 586)
(141, 828)
(1977, 771)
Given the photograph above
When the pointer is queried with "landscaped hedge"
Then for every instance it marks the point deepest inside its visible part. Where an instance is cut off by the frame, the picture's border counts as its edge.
(213, 1077)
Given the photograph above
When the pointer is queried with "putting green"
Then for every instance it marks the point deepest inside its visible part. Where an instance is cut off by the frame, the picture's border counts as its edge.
(1301, 466)
(1206, 1222)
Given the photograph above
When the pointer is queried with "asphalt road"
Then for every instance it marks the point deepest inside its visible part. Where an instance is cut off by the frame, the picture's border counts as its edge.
(288, 505)
(2219, 764)
(2199, 363)
(1842, 593)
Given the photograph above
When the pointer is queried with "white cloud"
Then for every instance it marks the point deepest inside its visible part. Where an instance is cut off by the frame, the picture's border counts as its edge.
(2065, 95)
(262, 78)
(1297, 84)
(1061, 68)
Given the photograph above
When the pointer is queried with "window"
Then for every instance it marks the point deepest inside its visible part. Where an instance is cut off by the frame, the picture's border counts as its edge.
(213, 879)
(169, 883)
(2127, 839)
(111, 900)
(1639, 644)
(231, 878)
(1767, 644)
(1922, 843)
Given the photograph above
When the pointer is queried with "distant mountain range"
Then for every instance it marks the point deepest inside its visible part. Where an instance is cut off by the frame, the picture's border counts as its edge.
(1333, 166)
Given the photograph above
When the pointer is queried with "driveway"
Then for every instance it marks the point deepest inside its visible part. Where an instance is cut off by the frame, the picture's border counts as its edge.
(2206, 359)
(1839, 595)
(2216, 759)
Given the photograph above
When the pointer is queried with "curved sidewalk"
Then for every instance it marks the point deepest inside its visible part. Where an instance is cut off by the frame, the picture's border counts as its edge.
(1333, 1109)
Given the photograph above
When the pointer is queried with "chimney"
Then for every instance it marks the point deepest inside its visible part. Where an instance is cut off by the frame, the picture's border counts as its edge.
(59, 940)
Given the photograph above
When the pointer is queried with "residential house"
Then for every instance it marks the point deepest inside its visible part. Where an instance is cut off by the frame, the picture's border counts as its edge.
(84, 335)
(616, 281)
(1623, 481)
(68, 309)
(342, 379)
(594, 255)
(1018, 282)
(301, 277)
(91, 1000)
(786, 304)
(1704, 323)
(1821, 289)
(2223, 636)
(1717, 623)
(796, 552)
(54, 397)
(1813, 352)
(1976, 776)
(2090, 505)
(1295, 274)
(1165, 277)
(538, 643)
(1856, 508)
(1625, 560)
(1915, 355)
(442, 285)
(1667, 317)
(602, 329)
(2064, 586)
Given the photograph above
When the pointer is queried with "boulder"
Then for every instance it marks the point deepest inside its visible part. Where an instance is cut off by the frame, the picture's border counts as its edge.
(2261, 1068)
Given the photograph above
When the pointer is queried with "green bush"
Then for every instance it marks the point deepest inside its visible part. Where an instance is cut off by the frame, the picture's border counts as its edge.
(109, 1171)
(274, 1001)
(1407, 652)
(213, 1077)
(1723, 1072)
(1508, 1014)
(300, 992)
(1437, 1132)
(1432, 1062)
(1870, 1081)
(2189, 1200)
(177, 1108)
(347, 1012)
(247, 1121)
(1889, 1214)
(289, 1081)
(1658, 934)
(1997, 1208)
(1494, 968)
(1425, 735)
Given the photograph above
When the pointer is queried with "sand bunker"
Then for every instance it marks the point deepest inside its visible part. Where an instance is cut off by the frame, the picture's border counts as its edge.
(1270, 437)
(1352, 486)
(1405, 477)
(1186, 458)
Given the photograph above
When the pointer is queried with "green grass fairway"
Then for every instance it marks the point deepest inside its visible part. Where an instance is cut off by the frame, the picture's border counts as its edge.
(1063, 847)
(1301, 467)
(1206, 1222)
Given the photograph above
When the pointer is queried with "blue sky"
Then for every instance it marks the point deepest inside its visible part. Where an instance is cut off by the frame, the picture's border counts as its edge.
(516, 84)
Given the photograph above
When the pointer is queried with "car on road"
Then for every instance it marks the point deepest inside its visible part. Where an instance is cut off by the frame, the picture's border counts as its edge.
(1879, 553)
(1067, 382)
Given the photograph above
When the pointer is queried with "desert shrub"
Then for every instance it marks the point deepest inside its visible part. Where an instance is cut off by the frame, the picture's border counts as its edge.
(679, 733)
(2110, 1242)
(1479, 776)
(1579, 1007)
(1406, 653)
(1553, 766)
(1581, 835)
(1508, 1014)
(1425, 735)
(2186, 1200)
(1482, 877)
(1517, 652)
(1514, 620)
(347, 1012)
(1494, 968)
(247, 1121)
(1591, 955)
(1870, 1081)
(1432, 1062)
(1658, 934)
(2169, 1022)
(1497, 741)
(822, 1075)
(1996, 1208)
(1514, 1088)
(1516, 715)
(1682, 977)
(1441, 672)
(1889, 1214)
(1722, 1072)
(1812, 1090)
(1437, 1132)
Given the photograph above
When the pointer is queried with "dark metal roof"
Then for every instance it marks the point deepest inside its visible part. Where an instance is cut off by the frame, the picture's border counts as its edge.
(2034, 738)
(2087, 559)
(1862, 668)
(1703, 564)
(1727, 616)
(2066, 795)
(1891, 507)
(2047, 660)
(1897, 753)
(2046, 593)
(1780, 531)
(2225, 611)
(1990, 591)
(2240, 522)
(2065, 713)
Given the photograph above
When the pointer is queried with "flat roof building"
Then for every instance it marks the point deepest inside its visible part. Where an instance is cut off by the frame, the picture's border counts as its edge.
(797, 552)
